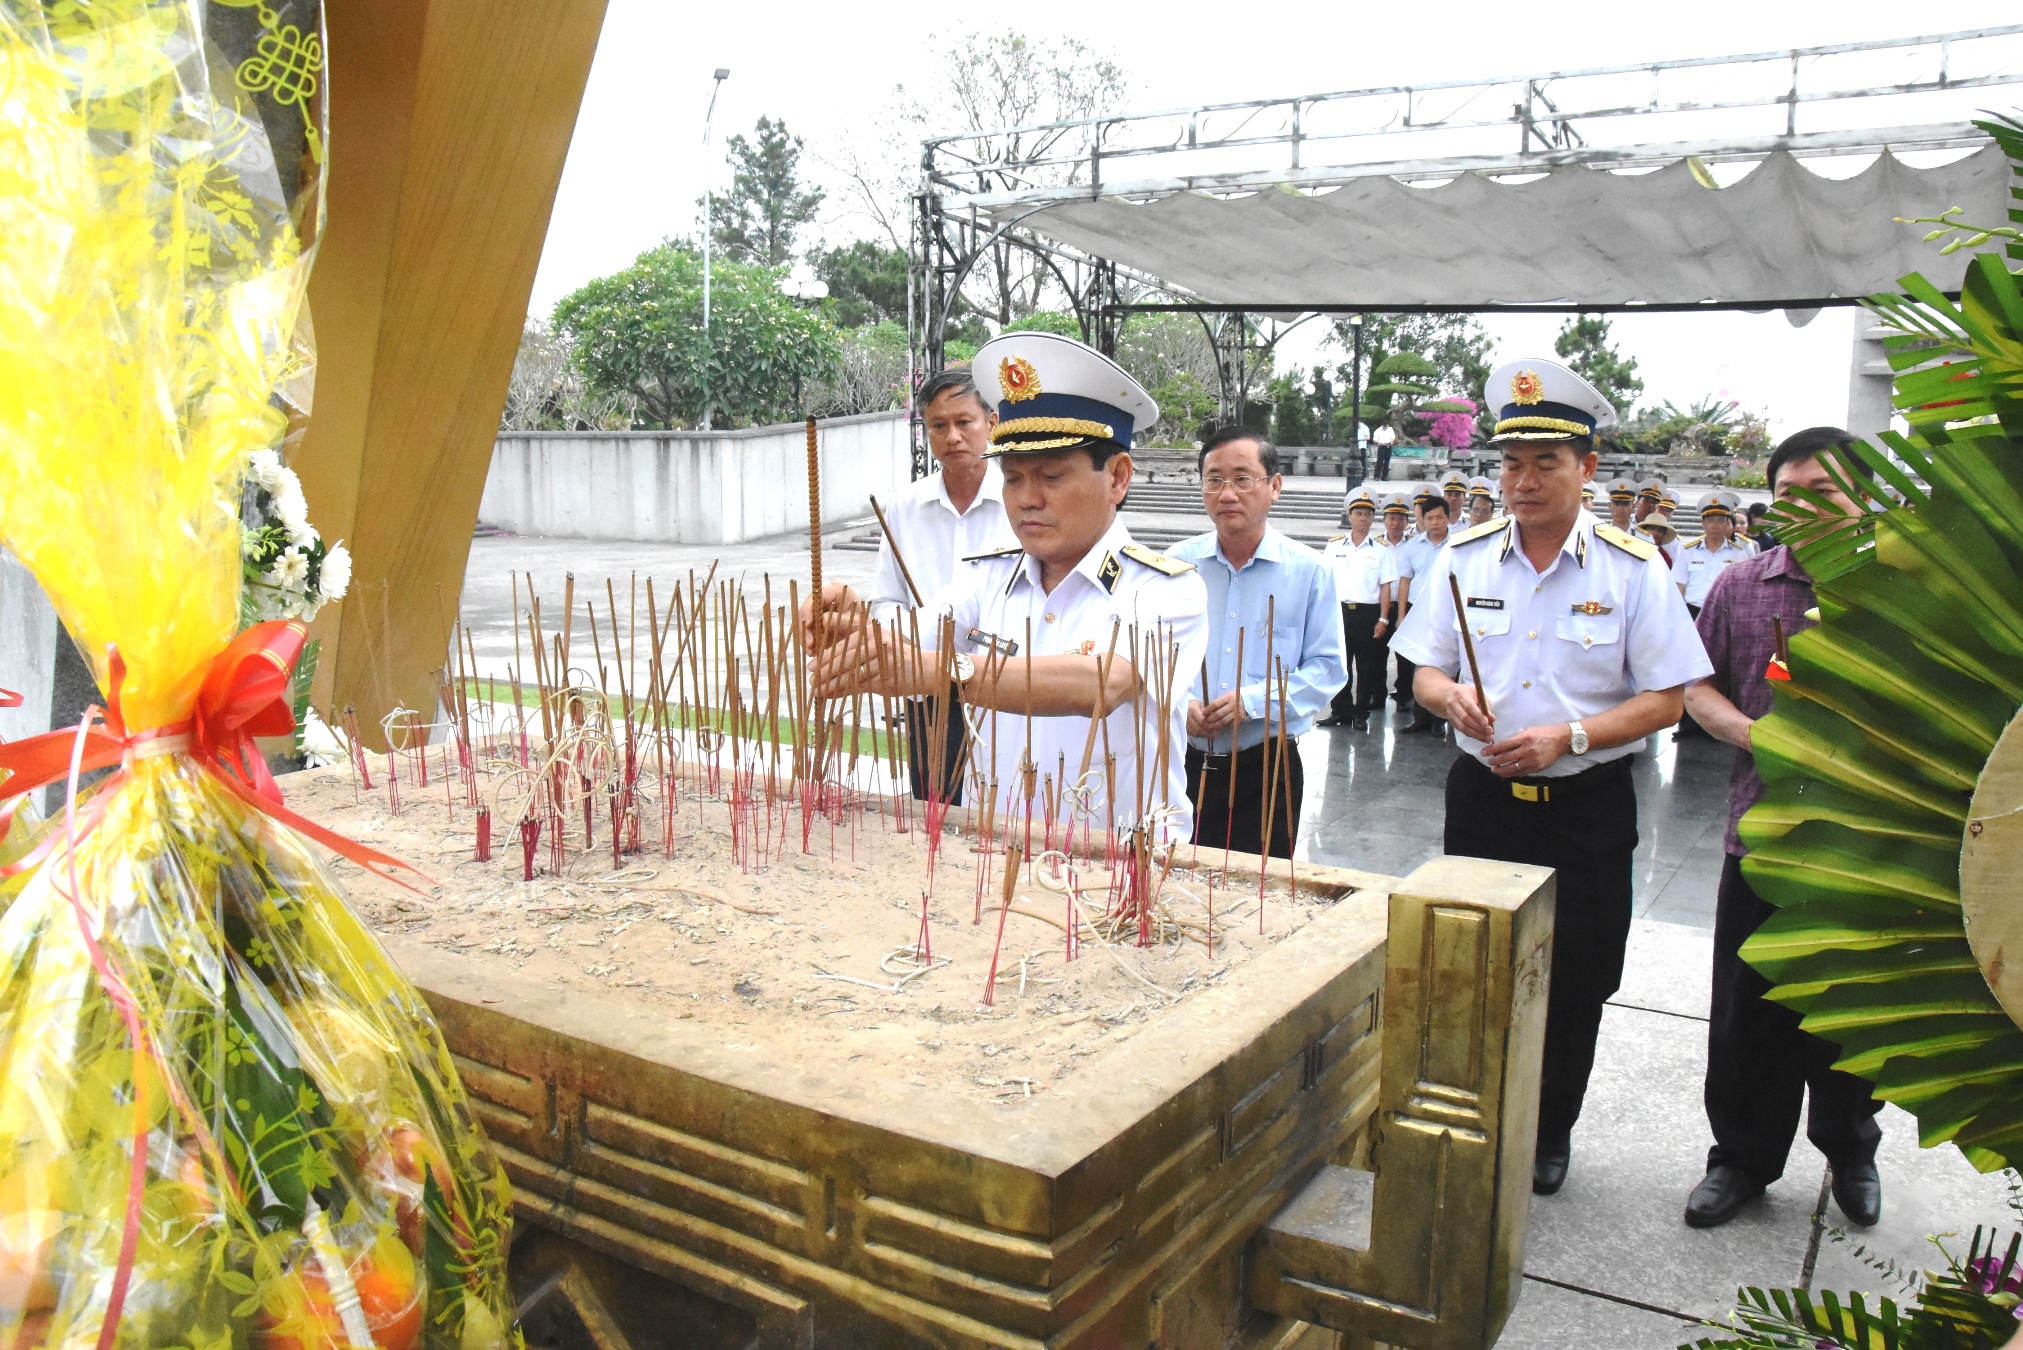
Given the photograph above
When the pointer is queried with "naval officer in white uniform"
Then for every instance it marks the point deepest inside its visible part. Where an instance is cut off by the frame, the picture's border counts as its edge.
(1585, 649)
(929, 525)
(1034, 624)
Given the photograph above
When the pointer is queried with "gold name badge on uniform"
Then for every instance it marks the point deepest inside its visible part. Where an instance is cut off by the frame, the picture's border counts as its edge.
(1592, 607)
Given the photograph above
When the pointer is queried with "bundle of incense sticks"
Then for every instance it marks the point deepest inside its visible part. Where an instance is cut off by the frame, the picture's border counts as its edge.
(695, 708)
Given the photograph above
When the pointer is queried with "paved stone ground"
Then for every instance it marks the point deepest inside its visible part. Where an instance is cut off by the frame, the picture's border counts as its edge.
(1609, 1264)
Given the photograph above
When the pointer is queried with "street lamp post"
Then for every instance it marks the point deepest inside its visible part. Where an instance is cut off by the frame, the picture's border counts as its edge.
(722, 73)
(1356, 394)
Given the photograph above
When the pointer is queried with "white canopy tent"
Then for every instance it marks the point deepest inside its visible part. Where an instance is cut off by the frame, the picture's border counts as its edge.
(1781, 236)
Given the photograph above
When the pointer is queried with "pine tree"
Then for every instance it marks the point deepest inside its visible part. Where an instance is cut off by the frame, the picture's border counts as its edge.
(1583, 344)
(755, 222)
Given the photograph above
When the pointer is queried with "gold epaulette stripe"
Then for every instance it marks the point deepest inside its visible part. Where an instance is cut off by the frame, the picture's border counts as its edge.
(1157, 561)
(1637, 548)
(1482, 531)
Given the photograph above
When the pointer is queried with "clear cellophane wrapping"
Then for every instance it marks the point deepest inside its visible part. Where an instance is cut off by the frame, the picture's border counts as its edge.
(283, 1157)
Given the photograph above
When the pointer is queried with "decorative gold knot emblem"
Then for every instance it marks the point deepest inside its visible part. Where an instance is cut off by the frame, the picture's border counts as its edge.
(1527, 388)
(1021, 382)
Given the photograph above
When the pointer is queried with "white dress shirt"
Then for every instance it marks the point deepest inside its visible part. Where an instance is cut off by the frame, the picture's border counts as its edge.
(1291, 584)
(934, 537)
(1355, 566)
(999, 596)
(1697, 565)
(1600, 624)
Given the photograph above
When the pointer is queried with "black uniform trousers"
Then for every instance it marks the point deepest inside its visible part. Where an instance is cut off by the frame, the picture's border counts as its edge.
(1759, 1063)
(1217, 825)
(1363, 653)
(1403, 688)
(1584, 827)
(954, 731)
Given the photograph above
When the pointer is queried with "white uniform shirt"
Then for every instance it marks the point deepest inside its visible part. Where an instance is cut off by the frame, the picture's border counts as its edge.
(1596, 627)
(1409, 561)
(1355, 566)
(934, 536)
(999, 595)
(1696, 566)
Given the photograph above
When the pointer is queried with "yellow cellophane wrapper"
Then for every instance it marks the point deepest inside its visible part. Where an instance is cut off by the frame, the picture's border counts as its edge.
(312, 1176)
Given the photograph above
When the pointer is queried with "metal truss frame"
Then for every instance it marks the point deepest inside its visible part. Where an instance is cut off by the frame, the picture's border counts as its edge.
(975, 197)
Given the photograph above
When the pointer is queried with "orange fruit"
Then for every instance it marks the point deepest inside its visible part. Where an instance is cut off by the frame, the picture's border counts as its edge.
(34, 1329)
(27, 1242)
(389, 1294)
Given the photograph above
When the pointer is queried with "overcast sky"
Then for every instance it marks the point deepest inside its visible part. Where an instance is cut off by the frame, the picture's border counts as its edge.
(636, 166)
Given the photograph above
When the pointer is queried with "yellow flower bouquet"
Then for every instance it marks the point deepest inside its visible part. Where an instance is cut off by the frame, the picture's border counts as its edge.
(225, 1118)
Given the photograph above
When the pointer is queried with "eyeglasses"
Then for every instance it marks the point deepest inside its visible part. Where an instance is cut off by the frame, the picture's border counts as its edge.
(1243, 482)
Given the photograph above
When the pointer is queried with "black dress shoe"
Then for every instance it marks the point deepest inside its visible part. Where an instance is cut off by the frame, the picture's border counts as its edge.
(1858, 1190)
(1720, 1196)
(1548, 1169)
(1425, 724)
(1359, 723)
(1332, 721)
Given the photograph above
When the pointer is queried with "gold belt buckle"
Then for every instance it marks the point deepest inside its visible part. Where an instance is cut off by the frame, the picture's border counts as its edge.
(1528, 792)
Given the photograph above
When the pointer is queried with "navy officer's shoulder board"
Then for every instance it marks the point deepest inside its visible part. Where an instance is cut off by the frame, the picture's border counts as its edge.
(1156, 560)
(1642, 549)
(1483, 531)
(995, 553)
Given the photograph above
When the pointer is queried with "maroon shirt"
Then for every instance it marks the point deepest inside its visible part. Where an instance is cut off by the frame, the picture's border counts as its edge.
(1735, 628)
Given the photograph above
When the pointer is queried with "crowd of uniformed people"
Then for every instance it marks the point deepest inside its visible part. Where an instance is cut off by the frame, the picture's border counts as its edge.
(1549, 624)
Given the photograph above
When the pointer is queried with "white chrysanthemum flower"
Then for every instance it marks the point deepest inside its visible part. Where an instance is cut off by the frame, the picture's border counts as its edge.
(334, 579)
(290, 505)
(290, 571)
(264, 469)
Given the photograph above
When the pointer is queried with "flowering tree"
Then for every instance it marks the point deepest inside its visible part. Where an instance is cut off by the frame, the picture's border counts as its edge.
(1455, 430)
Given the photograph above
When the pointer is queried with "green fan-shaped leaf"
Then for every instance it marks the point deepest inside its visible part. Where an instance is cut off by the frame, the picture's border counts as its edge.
(1935, 1037)
(1872, 751)
(1804, 976)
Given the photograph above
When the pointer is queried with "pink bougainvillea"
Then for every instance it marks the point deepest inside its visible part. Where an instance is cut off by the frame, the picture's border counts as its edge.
(1455, 430)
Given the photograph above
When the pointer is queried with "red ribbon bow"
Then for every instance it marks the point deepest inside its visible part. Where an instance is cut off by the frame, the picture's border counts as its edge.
(244, 695)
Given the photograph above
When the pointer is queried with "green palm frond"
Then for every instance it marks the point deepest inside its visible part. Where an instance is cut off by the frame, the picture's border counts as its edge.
(1896, 701)
(1968, 1305)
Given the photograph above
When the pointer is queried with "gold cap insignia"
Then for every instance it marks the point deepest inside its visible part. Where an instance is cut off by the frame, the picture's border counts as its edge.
(1021, 382)
(1527, 388)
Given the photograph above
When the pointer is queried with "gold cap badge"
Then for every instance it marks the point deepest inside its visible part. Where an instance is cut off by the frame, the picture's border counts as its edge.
(1527, 388)
(1020, 381)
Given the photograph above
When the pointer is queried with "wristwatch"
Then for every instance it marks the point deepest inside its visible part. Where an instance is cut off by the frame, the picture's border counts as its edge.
(965, 668)
(1578, 738)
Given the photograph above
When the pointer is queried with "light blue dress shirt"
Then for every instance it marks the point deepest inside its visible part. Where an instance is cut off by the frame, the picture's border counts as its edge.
(1306, 634)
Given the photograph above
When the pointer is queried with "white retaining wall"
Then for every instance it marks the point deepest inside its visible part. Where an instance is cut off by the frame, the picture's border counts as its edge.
(691, 487)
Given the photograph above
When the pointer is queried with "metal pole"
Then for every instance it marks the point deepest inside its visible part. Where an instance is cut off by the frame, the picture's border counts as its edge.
(722, 74)
(1356, 396)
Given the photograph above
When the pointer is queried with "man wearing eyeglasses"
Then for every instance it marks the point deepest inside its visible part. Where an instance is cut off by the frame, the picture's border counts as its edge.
(1274, 600)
